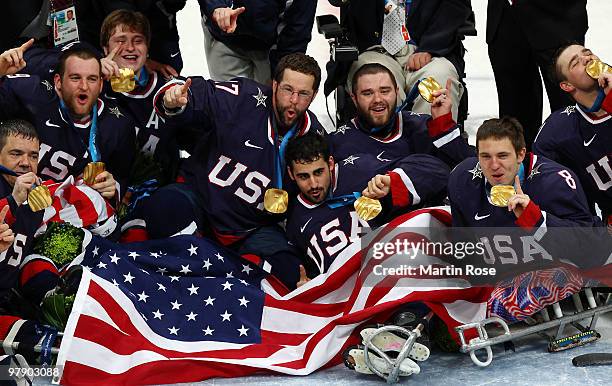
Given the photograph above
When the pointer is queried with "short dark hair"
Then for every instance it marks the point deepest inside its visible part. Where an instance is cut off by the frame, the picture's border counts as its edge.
(80, 52)
(299, 62)
(135, 21)
(306, 149)
(554, 71)
(17, 128)
(506, 127)
(371, 69)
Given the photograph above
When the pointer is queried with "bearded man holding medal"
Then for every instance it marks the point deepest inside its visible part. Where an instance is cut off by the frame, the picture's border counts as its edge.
(339, 202)
(80, 134)
(580, 136)
(234, 180)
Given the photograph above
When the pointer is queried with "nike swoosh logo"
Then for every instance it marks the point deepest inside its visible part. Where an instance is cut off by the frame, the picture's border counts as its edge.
(588, 143)
(477, 217)
(48, 123)
(382, 159)
(175, 54)
(305, 225)
(248, 143)
(108, 97)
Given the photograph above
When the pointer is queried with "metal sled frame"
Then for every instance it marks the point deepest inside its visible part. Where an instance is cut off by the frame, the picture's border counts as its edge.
(484, 342)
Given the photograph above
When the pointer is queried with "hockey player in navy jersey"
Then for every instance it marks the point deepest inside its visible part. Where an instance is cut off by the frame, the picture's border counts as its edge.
(323, 221)
(19, 150)
(246, 123)
(547, 194)
(580, 136)
(66, 114)
(126, 37)
(388, 134)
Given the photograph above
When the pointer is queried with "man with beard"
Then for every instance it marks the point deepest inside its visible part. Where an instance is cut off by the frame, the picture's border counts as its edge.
(382, 130)
(580, 136)
(72, 123)
(247, 125)
(323, 221)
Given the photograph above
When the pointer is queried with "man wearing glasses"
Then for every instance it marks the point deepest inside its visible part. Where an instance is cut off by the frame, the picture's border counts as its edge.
(244, 127)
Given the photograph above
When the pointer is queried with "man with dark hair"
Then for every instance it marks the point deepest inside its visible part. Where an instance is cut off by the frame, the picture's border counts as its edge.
(246, 125)
(382, 130)
(547, 194)
(580, 136)
(323, 221)
(74, 126)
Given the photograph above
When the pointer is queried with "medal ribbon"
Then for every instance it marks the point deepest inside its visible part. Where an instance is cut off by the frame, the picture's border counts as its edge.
(143, 78)
(279, 164)
(412, 95)
(601, 95)
(93, 130)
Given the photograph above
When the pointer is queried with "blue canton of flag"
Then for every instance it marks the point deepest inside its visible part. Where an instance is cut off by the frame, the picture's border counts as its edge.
(185, 288)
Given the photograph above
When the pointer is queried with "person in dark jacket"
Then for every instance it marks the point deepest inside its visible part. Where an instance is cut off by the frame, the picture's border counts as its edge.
(248, 37)
(522, 39)
(431, 43)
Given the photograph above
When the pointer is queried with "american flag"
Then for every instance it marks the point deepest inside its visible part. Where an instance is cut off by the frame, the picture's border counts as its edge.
(185, 309)
(517, 298)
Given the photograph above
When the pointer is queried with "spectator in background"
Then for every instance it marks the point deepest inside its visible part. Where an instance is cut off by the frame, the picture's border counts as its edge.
(431, 45)
(523, 36)
(247, 38)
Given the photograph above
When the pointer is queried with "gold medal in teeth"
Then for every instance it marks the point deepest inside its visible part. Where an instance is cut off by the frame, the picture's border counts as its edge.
(500, 194)
(125, 82)
(276, 201)
(39, 198)
(367, 208)
(596, 67)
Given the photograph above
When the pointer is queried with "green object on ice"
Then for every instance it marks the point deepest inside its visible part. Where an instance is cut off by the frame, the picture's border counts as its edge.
(61, 243)
(56, 309)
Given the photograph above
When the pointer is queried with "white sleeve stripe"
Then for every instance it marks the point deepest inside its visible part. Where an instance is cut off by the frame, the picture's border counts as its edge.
(447, 138)
(416, 199)
(541, 229)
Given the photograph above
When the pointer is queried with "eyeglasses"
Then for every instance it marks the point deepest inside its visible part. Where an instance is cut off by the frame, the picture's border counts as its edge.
(287, 92)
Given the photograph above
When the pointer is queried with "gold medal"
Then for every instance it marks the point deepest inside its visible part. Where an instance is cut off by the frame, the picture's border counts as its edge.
(276, 201)
(125, 82)
(91, 171)
(596, 67)
(367, 208)
(426, 88)
(39, 198)
(500, 194)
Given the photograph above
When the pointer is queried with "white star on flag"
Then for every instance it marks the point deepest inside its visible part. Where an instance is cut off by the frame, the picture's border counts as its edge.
(173, 330)
(227, 285)
(226, 316)
(157, 314)
(246, 268)
(176, 305)
(128, 278)
(243, 301)
(193, 250)
(191, 316)
(142, 297)
(243, 330)
(210, 301)
(193, 290)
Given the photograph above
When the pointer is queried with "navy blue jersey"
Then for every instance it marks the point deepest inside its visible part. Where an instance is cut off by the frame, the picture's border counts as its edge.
(154, 137)
(63, 143)
(584, 144)
(557, 198)
(24, 224)
(237, 164)
(413, 133)
(321, 233)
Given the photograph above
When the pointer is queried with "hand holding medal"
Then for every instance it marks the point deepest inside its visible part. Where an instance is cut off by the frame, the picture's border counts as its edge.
(507, 196)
